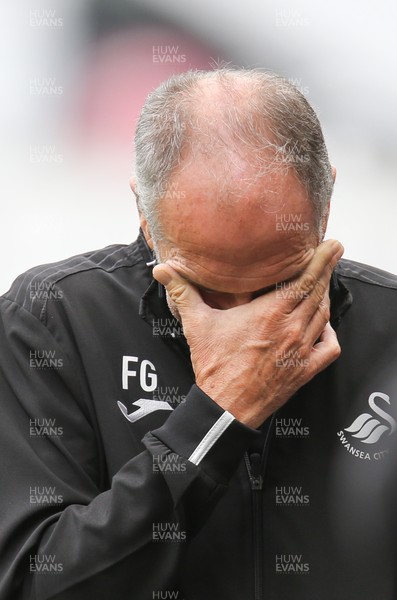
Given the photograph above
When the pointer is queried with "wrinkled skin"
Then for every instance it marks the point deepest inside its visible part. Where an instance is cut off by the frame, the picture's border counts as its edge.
(226, 249)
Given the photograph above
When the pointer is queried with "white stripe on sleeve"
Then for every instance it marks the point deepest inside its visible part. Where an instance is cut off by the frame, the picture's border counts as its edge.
(211, 437)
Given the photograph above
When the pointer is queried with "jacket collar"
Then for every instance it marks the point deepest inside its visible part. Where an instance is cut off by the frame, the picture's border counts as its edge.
(153, 305)
(341, 299)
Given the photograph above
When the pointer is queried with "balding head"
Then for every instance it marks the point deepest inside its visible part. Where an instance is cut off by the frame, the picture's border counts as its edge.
(219, 120)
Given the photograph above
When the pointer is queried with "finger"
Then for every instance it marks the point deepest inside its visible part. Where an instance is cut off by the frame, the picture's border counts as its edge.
(318, 298)
(315, 326)
(310, 288)
(326, 351)
(180, 291)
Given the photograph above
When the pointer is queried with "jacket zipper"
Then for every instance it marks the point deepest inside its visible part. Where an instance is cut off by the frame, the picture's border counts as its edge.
(255, 464)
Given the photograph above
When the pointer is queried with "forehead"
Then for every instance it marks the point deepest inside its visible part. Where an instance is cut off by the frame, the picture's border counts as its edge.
(231, 227)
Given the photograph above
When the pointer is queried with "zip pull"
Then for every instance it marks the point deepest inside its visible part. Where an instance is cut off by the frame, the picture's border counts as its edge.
(256, 478)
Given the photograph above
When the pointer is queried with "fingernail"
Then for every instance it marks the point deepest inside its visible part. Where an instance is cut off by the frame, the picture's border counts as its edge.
(339, 251)
(336, 246)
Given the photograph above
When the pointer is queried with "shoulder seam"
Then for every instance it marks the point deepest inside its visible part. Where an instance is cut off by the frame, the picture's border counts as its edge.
(20, 297)
(365, 279)
(14, 302)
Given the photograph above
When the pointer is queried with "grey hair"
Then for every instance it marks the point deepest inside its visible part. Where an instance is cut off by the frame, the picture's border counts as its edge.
(269, 113)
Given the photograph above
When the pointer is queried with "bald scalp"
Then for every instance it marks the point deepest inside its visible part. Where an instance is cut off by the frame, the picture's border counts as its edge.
(228, 116)
(231, 144)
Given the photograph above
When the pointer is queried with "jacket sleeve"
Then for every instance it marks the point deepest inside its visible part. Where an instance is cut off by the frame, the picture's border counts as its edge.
(64, 533)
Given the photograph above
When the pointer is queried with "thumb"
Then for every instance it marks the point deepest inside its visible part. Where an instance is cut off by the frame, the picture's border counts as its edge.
(185, 296)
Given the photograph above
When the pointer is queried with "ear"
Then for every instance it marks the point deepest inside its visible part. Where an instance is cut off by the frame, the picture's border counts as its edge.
(142, 219)
(133, 190)
(133, 185)
(324, 220)
(146, 231)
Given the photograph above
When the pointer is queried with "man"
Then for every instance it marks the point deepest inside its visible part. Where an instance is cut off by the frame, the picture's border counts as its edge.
(197, 430)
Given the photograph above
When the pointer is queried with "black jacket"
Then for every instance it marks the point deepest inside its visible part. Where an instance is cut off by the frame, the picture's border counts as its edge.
(105, 494)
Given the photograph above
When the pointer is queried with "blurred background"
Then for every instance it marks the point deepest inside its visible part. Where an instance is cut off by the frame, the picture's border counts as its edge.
(75, 75)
